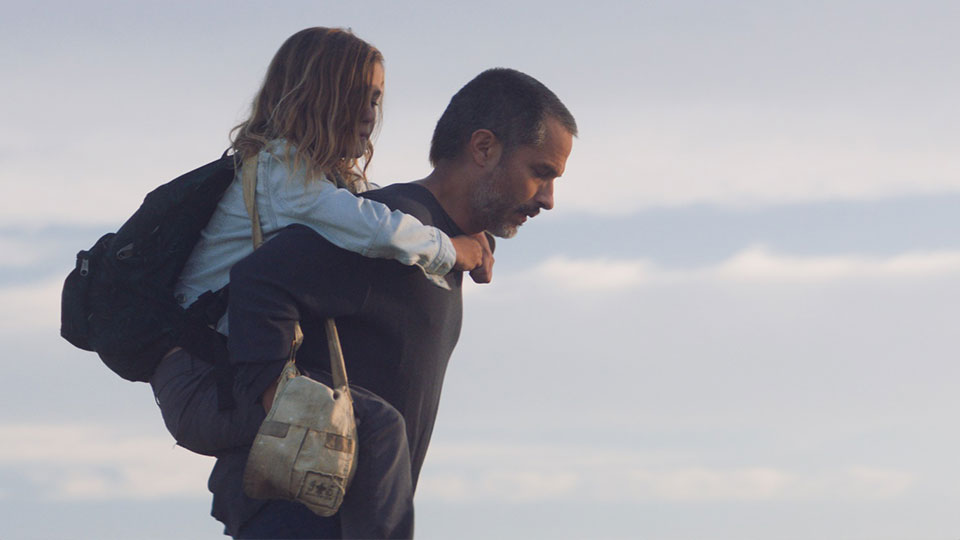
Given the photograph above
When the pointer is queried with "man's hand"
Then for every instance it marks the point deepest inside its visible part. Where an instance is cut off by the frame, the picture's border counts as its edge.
(484, 272)
(469, 252)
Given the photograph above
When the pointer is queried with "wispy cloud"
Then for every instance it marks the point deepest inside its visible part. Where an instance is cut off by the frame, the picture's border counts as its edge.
(599, 274)
(728, 155)
(38, 304)
(758, 263)
(19, 253)
(88, 462)
(519, 473)
(755, 264)
(31, 307)
(78, 462)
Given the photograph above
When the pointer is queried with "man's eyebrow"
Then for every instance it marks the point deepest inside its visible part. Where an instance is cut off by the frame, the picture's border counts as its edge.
(545, 169)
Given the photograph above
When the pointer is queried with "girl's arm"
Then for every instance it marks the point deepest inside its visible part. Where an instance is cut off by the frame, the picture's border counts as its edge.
(363, 226)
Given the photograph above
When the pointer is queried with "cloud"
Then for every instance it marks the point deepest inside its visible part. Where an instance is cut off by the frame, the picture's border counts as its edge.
(19, 253)
(537, 473)
(697, 484)
(599, 274)
(35, 306)
(92, 462)
(722, 154)
(38, 305)
(83, 462)
(756, 264)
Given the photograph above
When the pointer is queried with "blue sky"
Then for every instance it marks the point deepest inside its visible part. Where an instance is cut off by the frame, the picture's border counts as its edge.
(737, 323)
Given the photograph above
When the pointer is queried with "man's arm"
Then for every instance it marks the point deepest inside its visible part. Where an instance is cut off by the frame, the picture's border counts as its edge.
(297, 274)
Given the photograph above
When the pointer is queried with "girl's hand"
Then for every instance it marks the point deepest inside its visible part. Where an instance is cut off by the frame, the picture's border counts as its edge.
(484, 272)
(469, 252)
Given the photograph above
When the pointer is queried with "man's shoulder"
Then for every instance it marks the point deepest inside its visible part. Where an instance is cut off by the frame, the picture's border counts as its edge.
(409, 198)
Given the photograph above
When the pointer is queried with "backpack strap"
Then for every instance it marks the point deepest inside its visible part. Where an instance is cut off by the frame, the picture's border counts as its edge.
(201, 339)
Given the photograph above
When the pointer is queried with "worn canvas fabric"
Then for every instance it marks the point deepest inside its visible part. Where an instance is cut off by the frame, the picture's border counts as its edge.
(306, 448)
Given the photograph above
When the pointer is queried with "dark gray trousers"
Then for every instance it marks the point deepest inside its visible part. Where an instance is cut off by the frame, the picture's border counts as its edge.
(379, 502)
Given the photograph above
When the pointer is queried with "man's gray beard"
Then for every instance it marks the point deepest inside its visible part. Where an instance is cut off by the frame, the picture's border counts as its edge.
(494, 211)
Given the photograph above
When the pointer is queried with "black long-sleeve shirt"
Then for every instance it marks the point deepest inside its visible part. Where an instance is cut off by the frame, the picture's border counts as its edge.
(397, 328)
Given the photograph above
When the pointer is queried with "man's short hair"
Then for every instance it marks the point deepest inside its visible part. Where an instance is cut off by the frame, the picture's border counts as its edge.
(511, 104)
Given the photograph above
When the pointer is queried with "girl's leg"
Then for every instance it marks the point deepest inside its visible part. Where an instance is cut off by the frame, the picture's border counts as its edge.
(186, 390)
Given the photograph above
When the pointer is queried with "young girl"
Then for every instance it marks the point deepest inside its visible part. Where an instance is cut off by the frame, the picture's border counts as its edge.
(309, 128)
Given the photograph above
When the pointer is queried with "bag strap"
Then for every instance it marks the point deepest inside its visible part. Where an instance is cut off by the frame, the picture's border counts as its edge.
(338, 368)
(249, 177)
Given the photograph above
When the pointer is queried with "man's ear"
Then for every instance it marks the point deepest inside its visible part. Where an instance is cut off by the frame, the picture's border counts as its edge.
(484, 148)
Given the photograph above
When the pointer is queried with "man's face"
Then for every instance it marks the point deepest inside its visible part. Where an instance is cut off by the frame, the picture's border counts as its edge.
(522, 182)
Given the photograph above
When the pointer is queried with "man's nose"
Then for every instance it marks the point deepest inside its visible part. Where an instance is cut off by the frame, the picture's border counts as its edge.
(544, 196)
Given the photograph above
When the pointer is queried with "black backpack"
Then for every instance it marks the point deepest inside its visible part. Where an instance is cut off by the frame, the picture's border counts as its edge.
(119, 300)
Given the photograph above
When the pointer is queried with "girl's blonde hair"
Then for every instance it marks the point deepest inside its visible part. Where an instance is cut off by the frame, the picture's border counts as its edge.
(313, 96)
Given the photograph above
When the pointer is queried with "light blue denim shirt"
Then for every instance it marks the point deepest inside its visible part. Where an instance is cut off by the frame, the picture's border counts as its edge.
(353, 223)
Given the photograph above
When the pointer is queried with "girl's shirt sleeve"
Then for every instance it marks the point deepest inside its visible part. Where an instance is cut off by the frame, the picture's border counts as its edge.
(354, 223)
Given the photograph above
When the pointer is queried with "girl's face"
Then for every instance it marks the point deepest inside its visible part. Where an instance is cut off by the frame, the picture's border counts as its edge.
(368, 115)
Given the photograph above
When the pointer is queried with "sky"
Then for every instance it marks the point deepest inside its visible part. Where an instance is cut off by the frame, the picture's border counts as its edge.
(737, 323)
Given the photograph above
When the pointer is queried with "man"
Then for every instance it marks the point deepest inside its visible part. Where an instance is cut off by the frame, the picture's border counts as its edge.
(497, 149)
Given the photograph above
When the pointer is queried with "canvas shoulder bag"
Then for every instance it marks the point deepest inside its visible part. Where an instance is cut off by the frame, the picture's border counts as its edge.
(306, 448)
